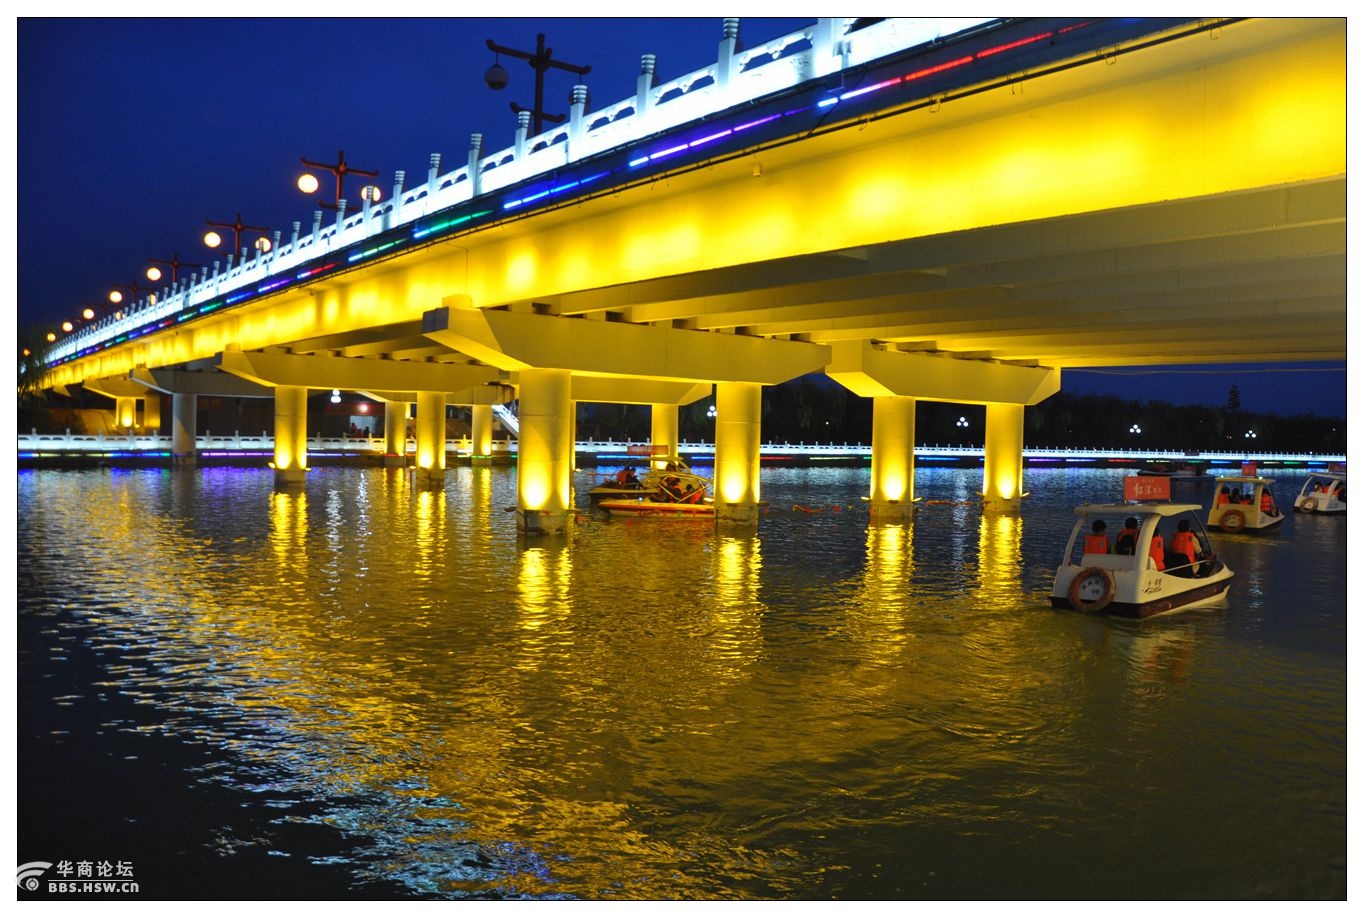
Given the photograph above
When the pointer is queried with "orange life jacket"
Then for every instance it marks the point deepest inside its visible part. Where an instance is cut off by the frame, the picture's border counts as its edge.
(1157, 550)
(1095, 544)
(1265, 502)
(1185, 543)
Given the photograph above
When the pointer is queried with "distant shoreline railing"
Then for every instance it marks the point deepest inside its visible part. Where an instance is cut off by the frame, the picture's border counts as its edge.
(209, 445)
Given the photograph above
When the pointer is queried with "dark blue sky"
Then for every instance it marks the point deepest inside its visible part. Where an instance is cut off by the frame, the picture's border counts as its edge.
(133, 132)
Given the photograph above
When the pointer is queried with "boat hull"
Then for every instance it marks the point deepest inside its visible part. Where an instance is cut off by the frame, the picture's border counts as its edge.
(1143, 593)
(1320, 509)
(614, 492)
(1204, 594)
(637, 507)
(1250, 522)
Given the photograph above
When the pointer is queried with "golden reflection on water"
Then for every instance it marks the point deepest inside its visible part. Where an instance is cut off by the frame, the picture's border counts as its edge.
(639, 712)
(544, 585)
(429, 548)
(1000, 567)
(736, 616)
(289, 529)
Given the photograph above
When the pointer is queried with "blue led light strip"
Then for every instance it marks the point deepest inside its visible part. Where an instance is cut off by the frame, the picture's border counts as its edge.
(420, 233)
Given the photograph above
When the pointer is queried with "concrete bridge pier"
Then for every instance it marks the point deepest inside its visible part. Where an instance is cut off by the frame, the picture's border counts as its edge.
(395, 434)
(183, 427)
(151, 412)
(290, 435)
(738, 443)
(544, 467)
(482, 435)
(664, 428)
(892, 431)
(125, 413)
(1002, 458)
(430, 439)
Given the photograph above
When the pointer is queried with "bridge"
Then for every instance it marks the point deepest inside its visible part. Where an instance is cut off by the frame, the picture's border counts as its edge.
(952, 210)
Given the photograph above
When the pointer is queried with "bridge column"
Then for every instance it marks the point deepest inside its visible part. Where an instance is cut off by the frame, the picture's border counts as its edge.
(125, 413)
(430, 439)
(892, 432)
(1002, 457)
(290, 435)
(151, 413)
(664, 427)
(184, 409)
(395, 434)
(738, 446)
(482, 435)
(544, 466)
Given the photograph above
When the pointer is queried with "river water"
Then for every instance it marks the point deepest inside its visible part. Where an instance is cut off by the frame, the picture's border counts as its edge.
(365, 690)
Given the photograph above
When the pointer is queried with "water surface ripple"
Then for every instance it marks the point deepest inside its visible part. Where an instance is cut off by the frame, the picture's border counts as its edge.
(364, 689)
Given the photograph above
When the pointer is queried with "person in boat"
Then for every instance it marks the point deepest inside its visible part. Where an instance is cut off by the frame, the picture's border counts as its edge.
(631, 478)
(1185, 550)
(1126, 538)
(1223, 495)
(1235, 495)
(1157, 548)
(671, 488)
(1096, 542)
(622, 477)
(1266, 504)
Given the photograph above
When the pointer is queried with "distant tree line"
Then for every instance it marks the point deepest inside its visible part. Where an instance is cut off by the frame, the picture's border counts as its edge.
(813, 408)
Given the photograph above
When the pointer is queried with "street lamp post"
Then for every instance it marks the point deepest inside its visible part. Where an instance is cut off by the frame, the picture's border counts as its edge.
(213, 239)
(308, 184)
(116, 291)
(154, 273)
(496, 77)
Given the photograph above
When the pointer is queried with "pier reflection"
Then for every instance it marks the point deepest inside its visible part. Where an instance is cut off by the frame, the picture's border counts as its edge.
(1000, 564)
(544, 577)
(289, 532)
(736, 615)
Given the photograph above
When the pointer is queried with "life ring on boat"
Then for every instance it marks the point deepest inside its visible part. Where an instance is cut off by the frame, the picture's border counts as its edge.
(1232, 520)
(1092, 590)
(1308, 505)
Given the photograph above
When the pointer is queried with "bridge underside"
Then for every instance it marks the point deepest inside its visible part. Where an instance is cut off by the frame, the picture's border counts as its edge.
(1183, 202)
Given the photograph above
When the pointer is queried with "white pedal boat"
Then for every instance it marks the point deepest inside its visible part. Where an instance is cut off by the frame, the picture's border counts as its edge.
(1134, 585)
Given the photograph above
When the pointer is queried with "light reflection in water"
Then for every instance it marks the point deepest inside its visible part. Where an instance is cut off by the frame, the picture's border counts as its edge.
(1000, 566)
(288, 531)
(429, 547)
(656, 711)
(736, 615)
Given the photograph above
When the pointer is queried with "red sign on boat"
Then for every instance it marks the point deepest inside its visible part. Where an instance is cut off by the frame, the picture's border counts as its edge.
(1146, 488)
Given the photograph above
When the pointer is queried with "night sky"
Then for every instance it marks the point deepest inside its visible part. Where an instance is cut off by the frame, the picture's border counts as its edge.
(133, 132)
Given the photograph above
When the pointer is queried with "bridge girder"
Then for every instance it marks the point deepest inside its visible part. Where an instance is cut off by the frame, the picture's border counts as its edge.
(520, 341)
(276, 369)
(872, 372)
(199, 382)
